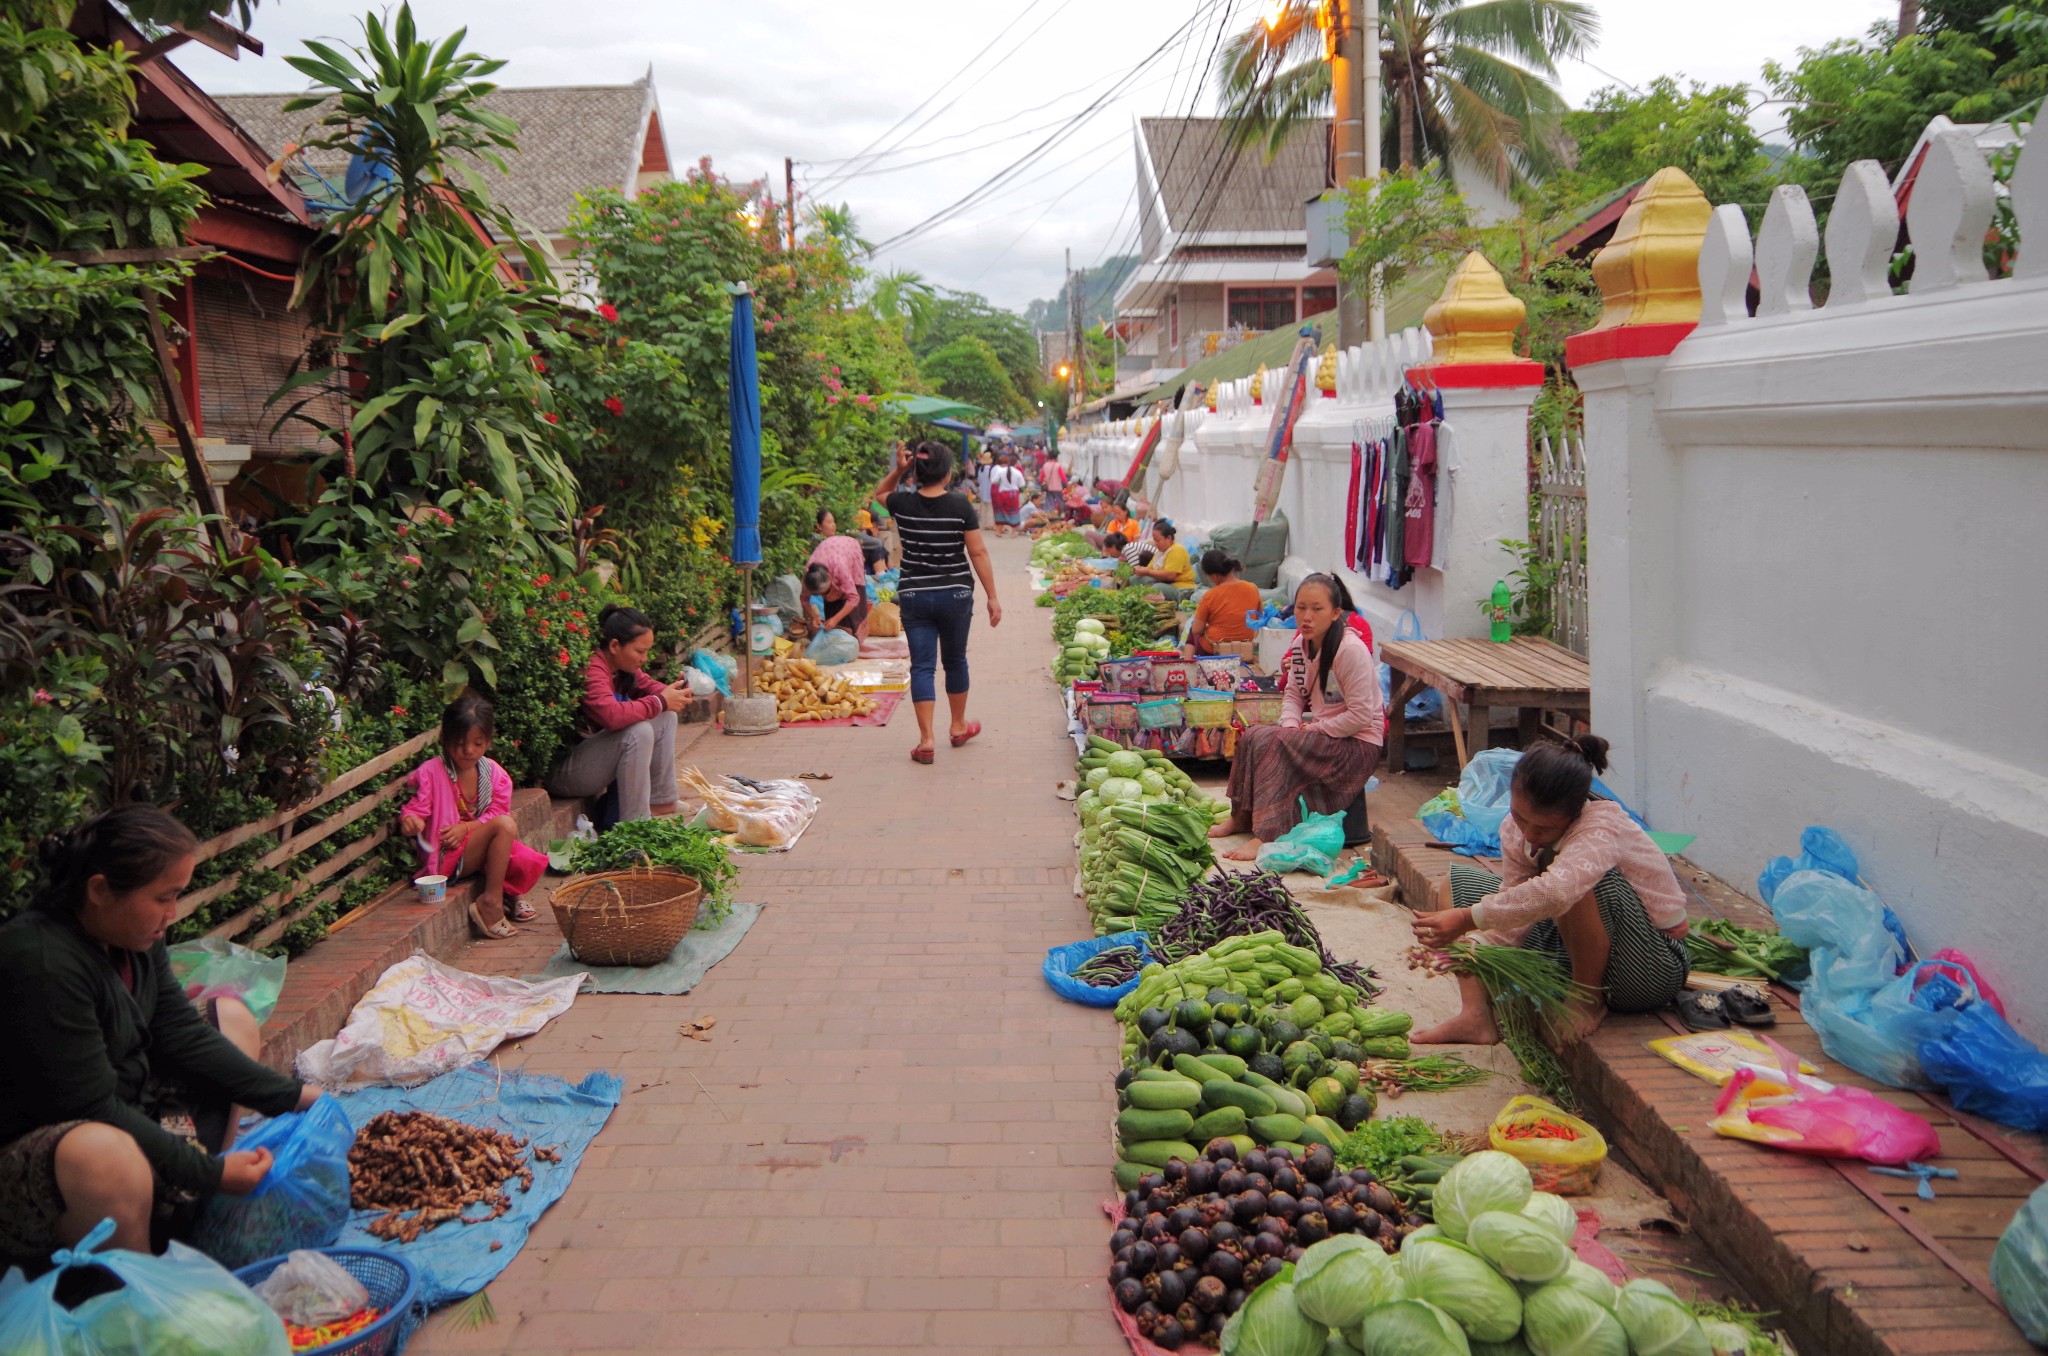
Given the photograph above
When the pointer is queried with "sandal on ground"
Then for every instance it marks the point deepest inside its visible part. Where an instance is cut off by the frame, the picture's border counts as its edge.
(921, 756)
(490, 932)
(1701, 1011)
(973, 729)
(519, 911)
(1747, 1005)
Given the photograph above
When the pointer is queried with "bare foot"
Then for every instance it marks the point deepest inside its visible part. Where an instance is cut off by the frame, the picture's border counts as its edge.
(1467, 1028)
(662, 811)
(1231, 827)
(1248, 853)
(1579, 1020)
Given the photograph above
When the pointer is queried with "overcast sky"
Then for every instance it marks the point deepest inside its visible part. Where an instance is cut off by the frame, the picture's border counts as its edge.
(748, 82)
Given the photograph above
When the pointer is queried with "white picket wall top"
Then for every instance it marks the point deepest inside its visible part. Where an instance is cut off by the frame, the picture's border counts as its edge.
(1947, 219)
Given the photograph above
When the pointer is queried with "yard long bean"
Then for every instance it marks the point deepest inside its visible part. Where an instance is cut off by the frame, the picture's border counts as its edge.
(1238, 903)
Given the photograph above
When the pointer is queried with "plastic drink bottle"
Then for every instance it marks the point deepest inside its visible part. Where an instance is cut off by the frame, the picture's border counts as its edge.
(1503, 629)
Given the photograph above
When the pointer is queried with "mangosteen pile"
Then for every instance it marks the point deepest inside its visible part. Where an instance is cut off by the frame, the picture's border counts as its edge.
(1197, 1238)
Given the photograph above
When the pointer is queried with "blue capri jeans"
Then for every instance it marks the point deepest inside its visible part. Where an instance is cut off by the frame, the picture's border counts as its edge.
(935, 622)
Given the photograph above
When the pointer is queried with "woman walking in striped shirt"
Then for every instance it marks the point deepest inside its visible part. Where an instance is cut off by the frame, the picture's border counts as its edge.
(941, 538)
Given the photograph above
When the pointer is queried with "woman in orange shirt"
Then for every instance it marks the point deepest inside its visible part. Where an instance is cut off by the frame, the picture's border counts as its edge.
(1219, 616)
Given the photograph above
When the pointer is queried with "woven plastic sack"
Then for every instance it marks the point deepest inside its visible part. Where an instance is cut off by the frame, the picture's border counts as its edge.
(1062, 961)
(303, 1200)
(214, 967)
(1562, 1167)
(1311, 846)
(2019, 1267)
(180, 1304)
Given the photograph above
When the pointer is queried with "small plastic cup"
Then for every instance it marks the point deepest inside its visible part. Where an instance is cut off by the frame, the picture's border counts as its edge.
(431, 889)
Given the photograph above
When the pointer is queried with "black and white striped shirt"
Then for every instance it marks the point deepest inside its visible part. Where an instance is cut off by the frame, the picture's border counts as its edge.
(934, 530)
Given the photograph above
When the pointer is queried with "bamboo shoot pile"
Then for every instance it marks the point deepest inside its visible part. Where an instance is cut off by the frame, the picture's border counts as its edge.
(805, 692)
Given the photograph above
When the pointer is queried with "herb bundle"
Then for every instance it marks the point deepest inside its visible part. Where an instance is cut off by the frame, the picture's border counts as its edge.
(672, 841)
(1525, 988)
(1724, 948)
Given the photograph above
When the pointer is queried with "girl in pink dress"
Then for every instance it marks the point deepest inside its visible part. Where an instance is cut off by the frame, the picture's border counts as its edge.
(460, 815)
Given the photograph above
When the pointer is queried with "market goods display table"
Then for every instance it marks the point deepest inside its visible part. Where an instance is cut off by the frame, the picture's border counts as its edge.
(1529, 673)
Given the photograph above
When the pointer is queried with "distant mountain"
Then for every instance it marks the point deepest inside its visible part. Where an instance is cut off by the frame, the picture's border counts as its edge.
(1098, 292)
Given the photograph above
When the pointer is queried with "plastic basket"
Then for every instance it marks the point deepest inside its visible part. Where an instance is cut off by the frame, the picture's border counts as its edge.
(1175, 675)
(1209, 710)
(1062, 961)
(1220, 670)
(1258, 708)
(1162, 713)
(392, 1284)
(1112, 711)
(1126, 675)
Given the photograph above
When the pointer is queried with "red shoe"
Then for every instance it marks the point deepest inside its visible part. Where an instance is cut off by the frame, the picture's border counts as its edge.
(921, 756)
(973, 729)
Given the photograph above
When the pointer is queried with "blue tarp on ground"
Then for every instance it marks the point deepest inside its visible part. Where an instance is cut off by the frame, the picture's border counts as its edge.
(455, 1260)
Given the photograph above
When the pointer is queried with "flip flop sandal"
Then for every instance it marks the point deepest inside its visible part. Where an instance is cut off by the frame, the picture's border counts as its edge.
(519, 911)
(1748, 1006)
(921, 756)
(487, 931)
(973, 729)
(1701, 1011)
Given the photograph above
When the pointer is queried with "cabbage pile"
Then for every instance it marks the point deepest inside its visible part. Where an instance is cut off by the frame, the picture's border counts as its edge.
(1084, 653)
(1495, 1276)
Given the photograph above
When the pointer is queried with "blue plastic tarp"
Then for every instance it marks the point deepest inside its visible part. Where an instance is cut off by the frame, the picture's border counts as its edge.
(455, 1260)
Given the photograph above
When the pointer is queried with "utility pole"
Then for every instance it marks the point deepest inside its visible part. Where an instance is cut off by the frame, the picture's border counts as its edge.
(1376, 309)
(789, 197)
(1347, 51)
(1076, 353)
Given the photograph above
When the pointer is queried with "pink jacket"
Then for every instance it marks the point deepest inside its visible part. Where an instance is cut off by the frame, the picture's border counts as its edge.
(433, 799)
(1601, 838)
(1355, 713)
(604, 709)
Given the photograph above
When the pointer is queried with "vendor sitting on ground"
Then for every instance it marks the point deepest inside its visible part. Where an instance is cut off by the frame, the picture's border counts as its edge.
(1582, 883)
(460, 815)
(844, 611)
(1041, 513)
(118, 1097)
(1110, 518)
(1327, 743)
(1170, 571)
(1075, 497)
(1219, 616)
(627, 735)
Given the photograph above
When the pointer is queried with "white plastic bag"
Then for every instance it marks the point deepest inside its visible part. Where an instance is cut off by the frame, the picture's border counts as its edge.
(311, 1289)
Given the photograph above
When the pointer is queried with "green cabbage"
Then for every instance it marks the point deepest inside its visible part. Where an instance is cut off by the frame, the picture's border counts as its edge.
(1657, 1321)
(1096, 777)
(1559, 1320)
(1272, 1324)
(1520, 1248)
(1411, 1327)
(1339, 1279)
(1422, 1232)
(1336, 1345)
(1125, 763)
(1727, 1339)
(1458, 1281)
(1487, 1180)
(1589, 1281)
(1089, 625)
(1120, 788)
(1554, 1213)
(2019, 1267)
(1514, 1346)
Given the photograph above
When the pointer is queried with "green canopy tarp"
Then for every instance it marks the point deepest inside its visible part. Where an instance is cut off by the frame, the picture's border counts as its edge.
(933, 407)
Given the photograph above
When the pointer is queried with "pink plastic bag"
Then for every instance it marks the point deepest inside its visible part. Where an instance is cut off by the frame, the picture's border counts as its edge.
(1830, 1123)
(1955, 961)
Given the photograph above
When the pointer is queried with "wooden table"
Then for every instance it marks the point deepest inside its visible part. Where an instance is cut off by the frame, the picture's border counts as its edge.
(1529, 673)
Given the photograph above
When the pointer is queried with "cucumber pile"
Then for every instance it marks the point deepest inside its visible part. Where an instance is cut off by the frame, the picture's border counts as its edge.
(1084, 653)
(1144, 837)
(1251, 1041)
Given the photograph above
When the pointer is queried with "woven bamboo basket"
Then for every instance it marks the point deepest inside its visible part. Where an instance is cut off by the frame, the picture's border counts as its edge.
(631, 917)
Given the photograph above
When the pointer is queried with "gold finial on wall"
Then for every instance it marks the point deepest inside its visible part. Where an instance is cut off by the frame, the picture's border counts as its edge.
(1649, 273)
(1326, 368)
(1475, 318)
(1259, 383)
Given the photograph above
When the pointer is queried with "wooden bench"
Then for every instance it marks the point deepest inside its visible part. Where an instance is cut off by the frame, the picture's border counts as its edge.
(1528, 673)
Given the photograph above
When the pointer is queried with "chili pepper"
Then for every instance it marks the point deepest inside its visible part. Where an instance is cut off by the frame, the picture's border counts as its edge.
(305, 1339)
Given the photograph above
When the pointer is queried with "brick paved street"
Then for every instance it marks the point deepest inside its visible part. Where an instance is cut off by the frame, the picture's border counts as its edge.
(897, 1139)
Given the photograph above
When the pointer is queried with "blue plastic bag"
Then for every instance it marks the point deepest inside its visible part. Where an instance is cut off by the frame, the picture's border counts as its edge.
(1854, 958)
(833, 647)
(1427, 704)
(1822, 849)
(718, 666)
(303, 1200)
(1312, 846)
(1062, 961)
(1991, 1070)
(180, 1304)
(1470, 818)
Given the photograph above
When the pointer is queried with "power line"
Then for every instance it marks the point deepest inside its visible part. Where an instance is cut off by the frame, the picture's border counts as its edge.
(1039, 150)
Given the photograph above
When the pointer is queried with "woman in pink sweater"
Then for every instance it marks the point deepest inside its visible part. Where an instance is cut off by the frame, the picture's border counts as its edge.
(1580, 882)
(627, 736)
(460, 814)
(1331, 726)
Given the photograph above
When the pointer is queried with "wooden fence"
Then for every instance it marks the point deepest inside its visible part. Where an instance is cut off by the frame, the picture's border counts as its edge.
(327, 879)
(1561, 531)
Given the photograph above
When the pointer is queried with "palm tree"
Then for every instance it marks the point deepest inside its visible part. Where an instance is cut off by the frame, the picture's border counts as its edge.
(838, 223)
(1471, 77)
(901, 297)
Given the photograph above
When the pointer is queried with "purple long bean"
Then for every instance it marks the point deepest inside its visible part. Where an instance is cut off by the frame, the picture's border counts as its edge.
(1238, 903)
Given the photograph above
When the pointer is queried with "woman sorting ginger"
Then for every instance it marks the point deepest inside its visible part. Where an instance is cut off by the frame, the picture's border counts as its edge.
(1582, 883)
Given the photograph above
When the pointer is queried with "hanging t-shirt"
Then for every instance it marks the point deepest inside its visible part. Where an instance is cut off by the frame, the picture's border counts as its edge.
(1419, 506)
(1393, 507)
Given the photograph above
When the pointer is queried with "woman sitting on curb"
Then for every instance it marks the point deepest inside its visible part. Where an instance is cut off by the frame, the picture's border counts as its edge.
(628, 733)
(118, 1097)
(1170, 571)
(1582, 883)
